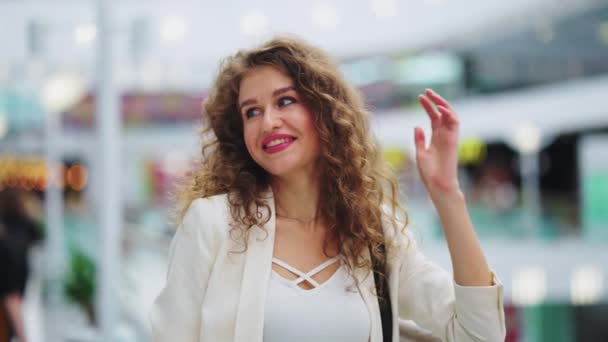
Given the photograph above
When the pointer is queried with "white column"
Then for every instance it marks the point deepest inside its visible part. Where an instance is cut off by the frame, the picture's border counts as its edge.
(108, 123)
(55, 240)
(528, 140)
(530, 188)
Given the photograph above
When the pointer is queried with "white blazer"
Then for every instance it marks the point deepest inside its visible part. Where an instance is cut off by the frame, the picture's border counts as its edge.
(216, 293)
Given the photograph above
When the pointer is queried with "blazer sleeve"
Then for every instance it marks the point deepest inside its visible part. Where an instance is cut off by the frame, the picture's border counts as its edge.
(429, 297)
(176, 313)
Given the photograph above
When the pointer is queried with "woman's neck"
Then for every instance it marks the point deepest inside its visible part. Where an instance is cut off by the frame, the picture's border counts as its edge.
(297, 197)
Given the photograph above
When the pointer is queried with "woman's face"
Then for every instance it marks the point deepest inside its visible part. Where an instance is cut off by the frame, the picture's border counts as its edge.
(278, 128)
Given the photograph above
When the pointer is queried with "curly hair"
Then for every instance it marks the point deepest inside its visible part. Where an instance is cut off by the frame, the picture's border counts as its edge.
(357, 183)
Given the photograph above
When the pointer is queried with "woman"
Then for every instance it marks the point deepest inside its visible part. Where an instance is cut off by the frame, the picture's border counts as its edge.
(293, 202)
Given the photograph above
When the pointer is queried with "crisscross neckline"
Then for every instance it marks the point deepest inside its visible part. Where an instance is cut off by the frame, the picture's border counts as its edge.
(306, 276)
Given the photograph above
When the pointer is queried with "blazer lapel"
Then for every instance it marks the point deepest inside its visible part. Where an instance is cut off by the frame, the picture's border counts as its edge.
(393, 288)
(254, 285)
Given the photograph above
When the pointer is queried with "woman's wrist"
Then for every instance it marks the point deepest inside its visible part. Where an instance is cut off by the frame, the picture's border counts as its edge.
(449, 197)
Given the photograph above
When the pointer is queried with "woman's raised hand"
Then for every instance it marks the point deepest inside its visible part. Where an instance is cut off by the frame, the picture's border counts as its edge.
(438, 163)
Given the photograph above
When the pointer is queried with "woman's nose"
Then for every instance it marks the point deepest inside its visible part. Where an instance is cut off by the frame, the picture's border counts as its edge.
(272, 119)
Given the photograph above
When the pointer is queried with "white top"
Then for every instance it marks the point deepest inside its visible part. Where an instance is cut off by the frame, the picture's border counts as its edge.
(215, 293)
(329, 312)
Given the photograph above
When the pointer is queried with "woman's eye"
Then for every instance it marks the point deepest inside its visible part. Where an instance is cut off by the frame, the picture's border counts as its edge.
(284, 101)
(249, 113)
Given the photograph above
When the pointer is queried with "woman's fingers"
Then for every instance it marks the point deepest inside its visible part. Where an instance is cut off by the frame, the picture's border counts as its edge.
(439, 114)
(433, 114)
(419, 141)
(437, 99)
(448, 117)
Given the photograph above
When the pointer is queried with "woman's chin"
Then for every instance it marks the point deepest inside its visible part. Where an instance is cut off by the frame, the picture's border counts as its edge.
(292, 171)
(281, 171)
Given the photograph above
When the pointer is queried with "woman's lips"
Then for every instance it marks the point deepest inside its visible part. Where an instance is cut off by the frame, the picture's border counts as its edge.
(279, 147)
(277, 142)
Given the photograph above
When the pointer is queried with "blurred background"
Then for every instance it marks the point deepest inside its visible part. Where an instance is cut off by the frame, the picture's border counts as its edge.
(100, 106)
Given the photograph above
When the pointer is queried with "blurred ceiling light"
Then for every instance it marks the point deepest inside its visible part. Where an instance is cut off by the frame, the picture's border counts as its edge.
(61, 91)
(85, 34)
(586, 285)
(529, 285)
(325, 16)
(173, 29)
(3, 124)
(384, 8)
(254, 23)
(526, 138)
(602, 32)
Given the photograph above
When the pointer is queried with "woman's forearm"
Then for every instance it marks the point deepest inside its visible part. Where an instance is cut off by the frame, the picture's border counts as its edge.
(468, 261)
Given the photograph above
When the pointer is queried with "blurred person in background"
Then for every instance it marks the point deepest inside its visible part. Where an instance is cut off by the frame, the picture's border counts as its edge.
(18, 231)
(496, 189)
(291, 229)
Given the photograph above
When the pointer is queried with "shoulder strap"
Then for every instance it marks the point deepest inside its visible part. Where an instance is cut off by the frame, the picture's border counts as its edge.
(384, 301)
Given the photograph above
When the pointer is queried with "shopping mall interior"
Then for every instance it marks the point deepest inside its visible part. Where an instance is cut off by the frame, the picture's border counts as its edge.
(101, 110)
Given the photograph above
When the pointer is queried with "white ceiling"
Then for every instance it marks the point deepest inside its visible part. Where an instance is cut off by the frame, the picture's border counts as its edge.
(213, 28)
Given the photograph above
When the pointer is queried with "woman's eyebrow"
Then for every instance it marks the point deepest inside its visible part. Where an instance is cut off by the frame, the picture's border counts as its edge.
(282, 90)
(275, 93)
(247, 102)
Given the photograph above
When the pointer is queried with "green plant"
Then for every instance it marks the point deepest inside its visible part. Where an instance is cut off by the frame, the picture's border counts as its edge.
(80, 282)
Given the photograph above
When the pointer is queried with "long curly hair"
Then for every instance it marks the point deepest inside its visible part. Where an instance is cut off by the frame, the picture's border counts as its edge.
(357, 184)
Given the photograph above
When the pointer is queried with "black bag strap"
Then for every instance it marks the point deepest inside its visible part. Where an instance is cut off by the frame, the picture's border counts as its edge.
(384, 301)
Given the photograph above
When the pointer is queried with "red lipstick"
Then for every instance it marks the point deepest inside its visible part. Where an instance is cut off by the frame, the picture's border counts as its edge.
(278, 147)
